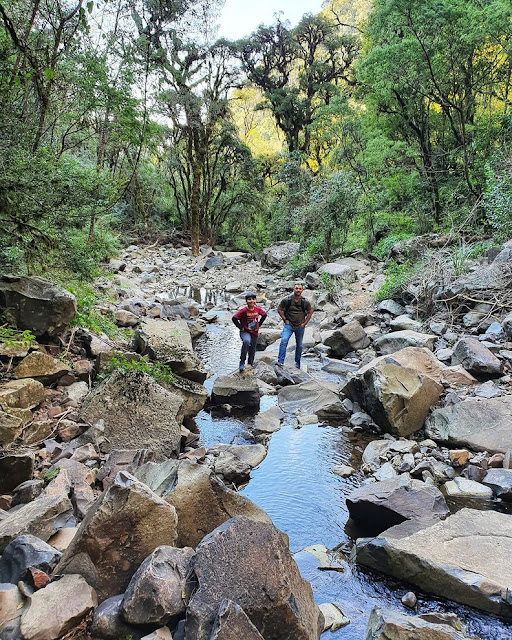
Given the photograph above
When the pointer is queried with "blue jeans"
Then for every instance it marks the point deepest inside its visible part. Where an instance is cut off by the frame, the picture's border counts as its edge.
(288, 330)
(248, 346)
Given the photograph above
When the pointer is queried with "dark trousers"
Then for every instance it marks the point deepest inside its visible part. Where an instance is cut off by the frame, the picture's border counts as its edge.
(248, 346)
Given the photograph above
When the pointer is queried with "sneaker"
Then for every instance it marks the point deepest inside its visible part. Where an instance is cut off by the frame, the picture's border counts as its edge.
(279, 364)
(241, 366)
(297, 365)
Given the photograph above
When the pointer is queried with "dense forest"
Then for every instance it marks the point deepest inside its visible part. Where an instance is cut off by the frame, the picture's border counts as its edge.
(364, 124)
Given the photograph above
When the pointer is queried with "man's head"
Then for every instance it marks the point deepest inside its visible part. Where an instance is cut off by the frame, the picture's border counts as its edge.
(298, 288)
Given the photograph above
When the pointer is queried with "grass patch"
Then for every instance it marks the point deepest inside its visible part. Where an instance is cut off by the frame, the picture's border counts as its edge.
(120, 362)
(397, 277)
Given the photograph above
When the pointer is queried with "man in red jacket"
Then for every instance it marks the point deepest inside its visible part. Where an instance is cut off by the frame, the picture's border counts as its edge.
(249, 320)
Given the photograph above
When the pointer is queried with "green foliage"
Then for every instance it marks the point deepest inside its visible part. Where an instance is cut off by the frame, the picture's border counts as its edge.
(332, 206)
(383, 247)
(157, 370)
(397, 277)
(14, 337)
(82, 254)
(87, 315)
(498, 194)
(462, 254)
(50, 474)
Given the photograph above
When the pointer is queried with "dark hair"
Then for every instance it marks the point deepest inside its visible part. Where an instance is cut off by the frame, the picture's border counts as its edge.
(249, 294)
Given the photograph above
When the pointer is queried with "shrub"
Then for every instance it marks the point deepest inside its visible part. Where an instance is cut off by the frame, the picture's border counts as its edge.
(397, 277)
(157, 370)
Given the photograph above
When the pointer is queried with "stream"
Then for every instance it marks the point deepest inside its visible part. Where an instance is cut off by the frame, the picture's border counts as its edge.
(306, 500)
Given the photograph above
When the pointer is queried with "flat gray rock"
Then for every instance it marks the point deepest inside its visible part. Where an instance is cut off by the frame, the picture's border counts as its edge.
(311, 398)
(500, 481)
(42, 518)
(479, 424)
(386, 624)
(238, 390)
(465, 558)
(397, 340)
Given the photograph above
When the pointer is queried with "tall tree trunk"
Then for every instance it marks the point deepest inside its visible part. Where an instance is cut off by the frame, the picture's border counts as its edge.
(194, 203)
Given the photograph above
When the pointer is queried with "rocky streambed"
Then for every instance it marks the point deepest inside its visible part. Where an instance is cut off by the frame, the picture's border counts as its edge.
(152, 517)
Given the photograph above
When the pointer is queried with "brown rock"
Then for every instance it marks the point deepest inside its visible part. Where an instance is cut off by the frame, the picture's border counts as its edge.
(203, 502)
(22, 394)
(83, 369)
(398, 398)
(122, 528)
(10, 428)
(62, 539)
(456, 375)
(459, 457)
(249, 562)
(38, 431)
(40, 366)
(57, 609)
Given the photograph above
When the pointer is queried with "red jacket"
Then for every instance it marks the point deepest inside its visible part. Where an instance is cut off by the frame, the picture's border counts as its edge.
(249, 320)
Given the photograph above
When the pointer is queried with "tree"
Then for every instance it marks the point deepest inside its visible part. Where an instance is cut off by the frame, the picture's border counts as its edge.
(297, 70)
(436, 74)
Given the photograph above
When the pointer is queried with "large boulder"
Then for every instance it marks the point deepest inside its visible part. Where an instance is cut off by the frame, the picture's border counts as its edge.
(122, 528)
(478, 283)
(477, 423)
(465, 558)
(136, 409)
(203, 502)
(339, 271)
(236, 390)
(249, 562)
(170, 343)
(381, 505)
(30, 302)
(310, 398)
(387, 624)
(193, 394)
(279, 254)
(397, 397)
